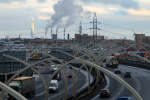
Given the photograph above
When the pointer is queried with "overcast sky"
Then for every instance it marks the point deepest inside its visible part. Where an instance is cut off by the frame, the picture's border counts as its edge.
(118, 18)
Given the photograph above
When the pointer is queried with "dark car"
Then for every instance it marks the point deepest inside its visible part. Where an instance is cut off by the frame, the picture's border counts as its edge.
(117, 71)
(104, 93)
(124, 98)
(127, 75)
(69, 76)
(70, 66)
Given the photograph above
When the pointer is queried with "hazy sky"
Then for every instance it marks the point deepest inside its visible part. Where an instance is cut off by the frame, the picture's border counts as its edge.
(118, 18)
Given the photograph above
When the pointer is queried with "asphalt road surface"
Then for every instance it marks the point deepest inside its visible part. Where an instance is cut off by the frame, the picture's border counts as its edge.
(140, 82)
(40, 94)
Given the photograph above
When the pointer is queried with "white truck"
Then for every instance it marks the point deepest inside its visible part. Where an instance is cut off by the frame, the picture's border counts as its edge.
(53, 86)
(111, 61)
(23, 85)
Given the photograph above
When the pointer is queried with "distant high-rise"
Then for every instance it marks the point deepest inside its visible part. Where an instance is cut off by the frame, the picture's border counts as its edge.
(32, 29)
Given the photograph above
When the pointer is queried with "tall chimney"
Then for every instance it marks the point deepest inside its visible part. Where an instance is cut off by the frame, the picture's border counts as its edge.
(19, 37)
(68, 36)
(51, 33)
(56, 33)
(64, 33)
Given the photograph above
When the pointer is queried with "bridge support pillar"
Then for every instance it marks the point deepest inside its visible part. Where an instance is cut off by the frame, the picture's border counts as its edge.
(89, 85)
(74, 98)
(1, 96)
(5, 78)
(97, 80)
(47, 93)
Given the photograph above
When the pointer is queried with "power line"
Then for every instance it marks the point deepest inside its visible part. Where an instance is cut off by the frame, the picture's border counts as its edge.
(115, 33)
(124, 27)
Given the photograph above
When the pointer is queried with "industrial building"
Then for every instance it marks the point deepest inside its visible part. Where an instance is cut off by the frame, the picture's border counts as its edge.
(9, 65)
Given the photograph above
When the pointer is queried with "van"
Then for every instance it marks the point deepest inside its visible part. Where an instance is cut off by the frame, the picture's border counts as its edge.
(111, 61)
(53, 87)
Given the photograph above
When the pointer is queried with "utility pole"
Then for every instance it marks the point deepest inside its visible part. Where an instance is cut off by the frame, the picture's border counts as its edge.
(95, 27)
(80, 33)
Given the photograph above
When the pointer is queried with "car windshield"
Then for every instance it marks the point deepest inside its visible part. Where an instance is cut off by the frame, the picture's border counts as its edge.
(104, 91)
(53, 85)
(128, 73)
(114, 59)
(123, 99)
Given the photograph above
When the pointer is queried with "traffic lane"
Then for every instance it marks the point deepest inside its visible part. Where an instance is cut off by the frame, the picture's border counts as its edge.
(40, 89)
(41, 94)
(38, 84)
(114, 88)
(143, 80)
(140, 81)
(82, 80)
(118, 90)
(133, 82)
(86, 76)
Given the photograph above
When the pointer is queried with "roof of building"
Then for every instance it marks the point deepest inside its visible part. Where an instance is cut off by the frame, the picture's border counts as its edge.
(22, 78)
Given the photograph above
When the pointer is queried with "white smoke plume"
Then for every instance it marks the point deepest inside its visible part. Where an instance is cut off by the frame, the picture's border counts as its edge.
(67, 12)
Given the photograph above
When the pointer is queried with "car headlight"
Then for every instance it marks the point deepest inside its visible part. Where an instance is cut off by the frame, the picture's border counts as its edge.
(7, 97)
(53, 88)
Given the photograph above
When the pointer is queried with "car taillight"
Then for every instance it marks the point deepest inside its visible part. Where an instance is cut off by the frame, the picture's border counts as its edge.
(100, 92)
(106, 92)
(125, 74)
(129, 74)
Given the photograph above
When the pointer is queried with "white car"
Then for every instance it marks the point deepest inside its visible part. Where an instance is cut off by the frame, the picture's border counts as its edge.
(53, 86)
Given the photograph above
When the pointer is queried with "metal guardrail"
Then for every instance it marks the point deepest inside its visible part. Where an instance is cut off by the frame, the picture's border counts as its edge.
(95, 89)
(83, 94)
(139, 64)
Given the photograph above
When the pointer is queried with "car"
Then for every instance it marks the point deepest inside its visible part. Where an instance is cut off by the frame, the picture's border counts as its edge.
(53, 86)
(69, 76)
(124, 98)
(104, 93)
(127, 75)
(117, 71)
(70, 66)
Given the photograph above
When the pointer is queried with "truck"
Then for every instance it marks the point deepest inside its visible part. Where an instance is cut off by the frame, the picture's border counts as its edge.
(23, 85)
(53, 86)
(112, 61)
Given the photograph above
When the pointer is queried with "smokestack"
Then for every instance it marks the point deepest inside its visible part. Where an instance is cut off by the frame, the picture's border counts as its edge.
(64, 33)
(19, 37)
(68, 36)
(51, 33)
(56, 31)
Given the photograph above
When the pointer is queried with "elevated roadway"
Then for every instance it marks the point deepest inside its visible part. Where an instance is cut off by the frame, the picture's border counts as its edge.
(81, 82)
(140, 82)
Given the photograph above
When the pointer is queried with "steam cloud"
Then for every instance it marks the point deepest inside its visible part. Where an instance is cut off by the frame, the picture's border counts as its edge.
(41, 1)
(66, 13)
(123, 3)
